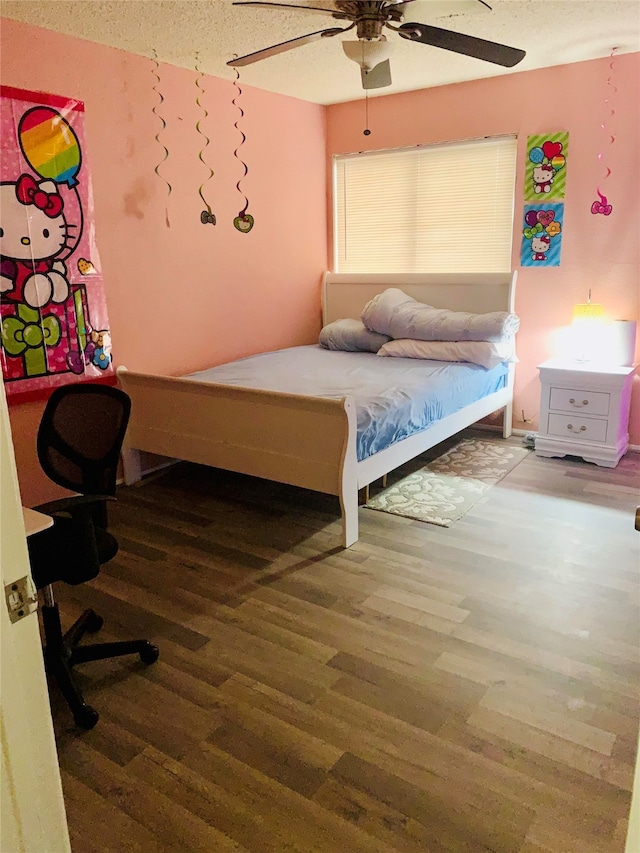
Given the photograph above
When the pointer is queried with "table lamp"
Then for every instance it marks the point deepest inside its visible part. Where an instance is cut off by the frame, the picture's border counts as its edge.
(587, 329)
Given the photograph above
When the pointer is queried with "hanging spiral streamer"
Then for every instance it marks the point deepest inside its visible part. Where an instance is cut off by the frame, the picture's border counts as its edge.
(243, 221)
(602, 206)
(207, 217)
(154, 71)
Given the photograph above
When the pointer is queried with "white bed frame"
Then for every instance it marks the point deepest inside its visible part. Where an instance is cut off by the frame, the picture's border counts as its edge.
(290, 438)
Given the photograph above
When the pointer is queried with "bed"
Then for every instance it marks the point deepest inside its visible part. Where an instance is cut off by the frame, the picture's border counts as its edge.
(307, 440)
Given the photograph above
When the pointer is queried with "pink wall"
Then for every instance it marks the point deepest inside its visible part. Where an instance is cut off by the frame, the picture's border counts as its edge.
(598, 252)
(184, 297)
(192, 295)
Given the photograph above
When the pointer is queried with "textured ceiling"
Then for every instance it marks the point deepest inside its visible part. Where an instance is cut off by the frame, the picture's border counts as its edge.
(553, 32)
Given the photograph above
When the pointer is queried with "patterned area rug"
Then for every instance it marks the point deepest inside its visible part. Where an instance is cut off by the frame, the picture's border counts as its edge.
(445, 489)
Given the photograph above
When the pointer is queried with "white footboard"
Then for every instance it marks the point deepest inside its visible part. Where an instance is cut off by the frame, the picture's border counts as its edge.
(304, 441)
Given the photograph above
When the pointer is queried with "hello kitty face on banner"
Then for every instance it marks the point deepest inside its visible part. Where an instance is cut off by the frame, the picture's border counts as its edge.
(34, 234)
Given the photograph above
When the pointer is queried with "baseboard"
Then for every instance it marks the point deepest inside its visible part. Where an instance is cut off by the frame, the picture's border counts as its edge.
(633, 448)
(154, 470)
(498, 428)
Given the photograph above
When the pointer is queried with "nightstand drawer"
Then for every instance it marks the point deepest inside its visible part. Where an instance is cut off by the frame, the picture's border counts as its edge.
(582, 402)
(572, 426)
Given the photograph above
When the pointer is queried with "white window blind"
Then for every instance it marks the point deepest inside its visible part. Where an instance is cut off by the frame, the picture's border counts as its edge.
(441, 208)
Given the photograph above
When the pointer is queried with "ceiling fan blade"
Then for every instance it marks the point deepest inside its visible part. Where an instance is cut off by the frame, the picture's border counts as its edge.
(284, 6)
(284, 46)
(490, 51)
(378, 77)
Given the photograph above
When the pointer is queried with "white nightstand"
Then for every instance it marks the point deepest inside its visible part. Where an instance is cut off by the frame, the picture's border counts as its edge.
(584, 411)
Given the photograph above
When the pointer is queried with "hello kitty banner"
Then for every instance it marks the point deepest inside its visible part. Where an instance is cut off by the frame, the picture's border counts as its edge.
(544, 183)
(52, 303)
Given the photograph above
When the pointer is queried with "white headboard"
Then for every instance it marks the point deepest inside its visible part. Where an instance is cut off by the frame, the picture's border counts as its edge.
(344, 295)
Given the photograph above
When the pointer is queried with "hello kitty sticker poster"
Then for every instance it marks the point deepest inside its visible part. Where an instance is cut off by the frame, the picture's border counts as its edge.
(53, 314)
(542, 235)
(546, 166)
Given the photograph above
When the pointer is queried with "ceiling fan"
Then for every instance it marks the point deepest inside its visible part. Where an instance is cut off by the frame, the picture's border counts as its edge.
(371, 50)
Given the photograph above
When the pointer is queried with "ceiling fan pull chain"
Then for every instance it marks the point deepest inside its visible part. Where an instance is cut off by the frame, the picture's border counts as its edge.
(366, 131)
(207, 217)
(243, 221)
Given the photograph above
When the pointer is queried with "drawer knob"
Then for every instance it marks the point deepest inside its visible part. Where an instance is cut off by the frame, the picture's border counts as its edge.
(574, 403)
(571, 427)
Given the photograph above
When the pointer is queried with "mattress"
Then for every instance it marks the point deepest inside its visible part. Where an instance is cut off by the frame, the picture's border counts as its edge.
(394, 397)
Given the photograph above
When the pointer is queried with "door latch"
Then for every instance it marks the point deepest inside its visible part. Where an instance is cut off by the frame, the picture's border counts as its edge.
(22, 598)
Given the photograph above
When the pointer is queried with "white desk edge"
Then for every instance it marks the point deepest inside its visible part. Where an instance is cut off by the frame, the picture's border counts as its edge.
(34, 521)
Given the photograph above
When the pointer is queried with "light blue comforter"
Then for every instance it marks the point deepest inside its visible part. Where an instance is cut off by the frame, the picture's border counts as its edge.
(394, 397)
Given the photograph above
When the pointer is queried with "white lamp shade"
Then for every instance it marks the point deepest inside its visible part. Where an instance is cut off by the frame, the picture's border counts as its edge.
(367, 54)
(623, 348)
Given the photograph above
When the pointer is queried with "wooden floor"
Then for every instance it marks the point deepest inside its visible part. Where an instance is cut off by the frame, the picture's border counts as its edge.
(467, 689)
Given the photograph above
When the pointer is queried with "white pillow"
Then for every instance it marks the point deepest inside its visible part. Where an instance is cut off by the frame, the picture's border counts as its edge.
(485, 353)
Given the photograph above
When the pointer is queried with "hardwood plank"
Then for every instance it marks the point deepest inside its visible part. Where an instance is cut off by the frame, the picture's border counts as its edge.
(202, 797)
(306, 825)
(423, 603)
(175, 826)
(559, 749)
(545, 776)
(102, 826)
(551, 722)
(504, 831)
(405, 834)
(412, 615)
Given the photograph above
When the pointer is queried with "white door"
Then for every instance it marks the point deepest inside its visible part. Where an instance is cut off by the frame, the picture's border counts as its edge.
(32, 815)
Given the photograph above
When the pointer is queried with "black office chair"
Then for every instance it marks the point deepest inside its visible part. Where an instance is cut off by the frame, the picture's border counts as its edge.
(79, 442)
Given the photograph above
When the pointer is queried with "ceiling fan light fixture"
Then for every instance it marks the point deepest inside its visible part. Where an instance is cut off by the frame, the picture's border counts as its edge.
(367, 54)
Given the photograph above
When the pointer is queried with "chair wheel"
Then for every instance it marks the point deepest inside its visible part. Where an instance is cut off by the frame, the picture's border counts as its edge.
(86, 717)
(94, 622)
(150, 653)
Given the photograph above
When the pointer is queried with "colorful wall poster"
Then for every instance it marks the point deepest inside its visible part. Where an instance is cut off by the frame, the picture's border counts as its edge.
(54, 324)
(546, 166)
(542, 235)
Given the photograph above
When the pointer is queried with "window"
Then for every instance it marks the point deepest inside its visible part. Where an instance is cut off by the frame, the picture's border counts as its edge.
(440, 208)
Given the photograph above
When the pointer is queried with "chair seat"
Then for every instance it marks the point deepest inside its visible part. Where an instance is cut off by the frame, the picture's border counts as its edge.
(52, 560)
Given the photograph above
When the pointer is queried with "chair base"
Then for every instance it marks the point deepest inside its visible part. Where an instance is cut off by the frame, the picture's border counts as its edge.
(62, 653)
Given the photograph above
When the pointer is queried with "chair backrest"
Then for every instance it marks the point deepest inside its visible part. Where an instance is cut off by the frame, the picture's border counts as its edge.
(81, 435)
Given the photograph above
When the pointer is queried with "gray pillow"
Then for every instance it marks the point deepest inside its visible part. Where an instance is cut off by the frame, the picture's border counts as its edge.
(395, 313)
(351, 336)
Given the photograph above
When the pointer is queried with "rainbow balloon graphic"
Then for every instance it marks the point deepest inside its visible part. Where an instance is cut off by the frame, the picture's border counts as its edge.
(49, 145)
